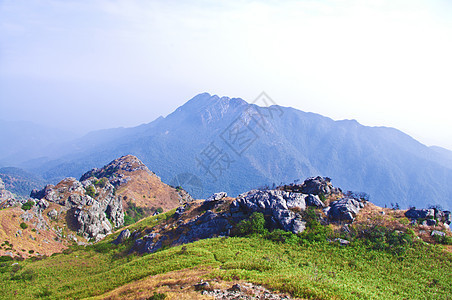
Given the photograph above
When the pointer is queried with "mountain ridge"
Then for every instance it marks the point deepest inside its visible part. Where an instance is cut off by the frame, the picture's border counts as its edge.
(288, 144)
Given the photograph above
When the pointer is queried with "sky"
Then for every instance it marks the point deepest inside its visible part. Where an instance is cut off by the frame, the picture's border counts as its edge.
(92, 64)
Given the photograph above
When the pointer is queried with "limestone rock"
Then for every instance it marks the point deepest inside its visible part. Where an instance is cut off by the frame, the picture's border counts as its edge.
(314, 200)
(318, 185)
(419, 213)
(89, 215)
(124, 235)
(277, 204)
(217, 196)
(438, 233)
(344, 209)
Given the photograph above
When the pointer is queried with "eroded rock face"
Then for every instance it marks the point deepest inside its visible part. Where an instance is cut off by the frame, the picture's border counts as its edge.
(127, 163)
(318, 185)
(124, 235)
(420, 213)
(344, 209)
(93, 211)
(277, 204)
(217, 196)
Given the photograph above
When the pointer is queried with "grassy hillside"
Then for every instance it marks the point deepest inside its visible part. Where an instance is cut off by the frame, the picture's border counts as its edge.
(305, 269)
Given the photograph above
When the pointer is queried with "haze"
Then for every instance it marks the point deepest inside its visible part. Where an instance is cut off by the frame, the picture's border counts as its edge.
(85, 65)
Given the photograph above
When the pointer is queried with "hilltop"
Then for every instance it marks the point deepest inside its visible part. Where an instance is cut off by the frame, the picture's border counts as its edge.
(85, 210)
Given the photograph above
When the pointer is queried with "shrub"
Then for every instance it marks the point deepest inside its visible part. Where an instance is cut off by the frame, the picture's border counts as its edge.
(315, 232)
(28, 205)
(383, 238)
(90, 191)
(157, 296)
(134, 213)
(5, 258)
(282, 236)
(101, 182)
(445, 240)
(23, 225)
(255, 224)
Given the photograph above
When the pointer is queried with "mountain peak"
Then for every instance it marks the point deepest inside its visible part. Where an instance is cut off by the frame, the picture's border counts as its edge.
(126, 163)
(207, 100)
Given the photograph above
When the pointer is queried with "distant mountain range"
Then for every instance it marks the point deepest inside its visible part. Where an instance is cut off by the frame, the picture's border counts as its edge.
(213, 144)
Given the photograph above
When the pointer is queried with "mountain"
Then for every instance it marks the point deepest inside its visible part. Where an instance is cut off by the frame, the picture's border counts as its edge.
(20, 181)
(216, 143)
(24, 140)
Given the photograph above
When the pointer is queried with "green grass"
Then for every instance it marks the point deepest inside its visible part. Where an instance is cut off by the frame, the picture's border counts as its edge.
(316, 270)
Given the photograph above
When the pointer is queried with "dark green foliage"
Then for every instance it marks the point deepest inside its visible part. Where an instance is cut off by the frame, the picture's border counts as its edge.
(90, 191)
(445, 240)
(322, 197)
(315, 232)
(28, 205)
(157, 296)
(159, 210)
(385, 239)
(282, 236)
(255, 224)
(26, 275)
(5, 258)
(101, 182)
(23, 225)
(134, 213)
(46, 292)
(103, 247)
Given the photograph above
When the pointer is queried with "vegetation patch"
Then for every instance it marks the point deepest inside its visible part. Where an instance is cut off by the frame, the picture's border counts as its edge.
(28, 205)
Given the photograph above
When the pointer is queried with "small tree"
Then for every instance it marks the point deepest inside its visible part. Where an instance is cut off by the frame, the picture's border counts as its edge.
(28, 205)
(255, 224)
(90, 191)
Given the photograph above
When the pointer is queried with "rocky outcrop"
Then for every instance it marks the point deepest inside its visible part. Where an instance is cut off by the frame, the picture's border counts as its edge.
(281, 206)
(318, 185)
(420, 213)
(217, 215)
(127, 163)
(344, 209)
(124, 235)
(429, 217)
(313, 185)
(91, 209)
(217, 196)
(137, 185)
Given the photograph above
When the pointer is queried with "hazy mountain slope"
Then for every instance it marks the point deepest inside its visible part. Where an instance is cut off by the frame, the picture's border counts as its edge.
(19, 181)
(288, 144)
(21, 141)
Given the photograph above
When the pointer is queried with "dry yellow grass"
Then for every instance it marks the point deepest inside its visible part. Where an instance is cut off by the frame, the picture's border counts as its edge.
(176, 285)
(40, 241)
(147, 190)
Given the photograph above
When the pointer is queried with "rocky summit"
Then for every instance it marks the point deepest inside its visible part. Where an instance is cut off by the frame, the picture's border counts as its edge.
(283, 207)
(86, 210)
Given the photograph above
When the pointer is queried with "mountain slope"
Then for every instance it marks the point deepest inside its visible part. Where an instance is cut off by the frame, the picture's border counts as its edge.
(118, 194)
(19, 181)
(255, 146)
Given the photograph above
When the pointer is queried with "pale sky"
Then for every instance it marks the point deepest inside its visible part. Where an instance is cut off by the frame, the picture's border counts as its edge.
(84, 65)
